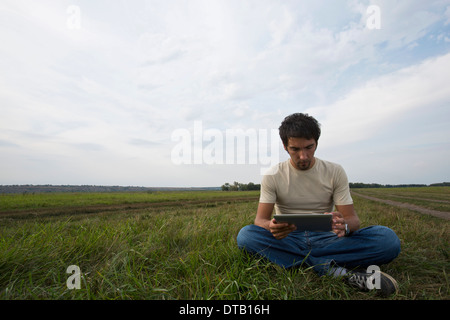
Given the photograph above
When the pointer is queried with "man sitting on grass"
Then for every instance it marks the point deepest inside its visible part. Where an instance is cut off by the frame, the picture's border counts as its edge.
(306, 184)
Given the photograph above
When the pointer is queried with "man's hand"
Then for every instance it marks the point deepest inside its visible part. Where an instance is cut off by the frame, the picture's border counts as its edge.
(338, 223)
(280, 230)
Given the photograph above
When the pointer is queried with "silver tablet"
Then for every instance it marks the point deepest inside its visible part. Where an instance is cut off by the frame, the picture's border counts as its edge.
(307, 221)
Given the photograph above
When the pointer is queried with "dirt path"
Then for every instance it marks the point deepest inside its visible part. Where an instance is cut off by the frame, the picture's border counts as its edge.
(423, 199)
(439, 214)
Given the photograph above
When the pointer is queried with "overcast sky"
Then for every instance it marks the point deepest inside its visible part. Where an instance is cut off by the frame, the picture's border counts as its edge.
(142, 93)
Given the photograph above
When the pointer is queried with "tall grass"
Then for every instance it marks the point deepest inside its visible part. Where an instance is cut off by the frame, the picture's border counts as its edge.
(190, 252)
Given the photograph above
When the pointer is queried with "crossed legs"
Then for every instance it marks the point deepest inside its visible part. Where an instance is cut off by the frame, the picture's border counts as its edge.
(375, 245)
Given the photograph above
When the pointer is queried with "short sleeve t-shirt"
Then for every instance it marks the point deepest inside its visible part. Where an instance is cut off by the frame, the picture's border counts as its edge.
(315, 190)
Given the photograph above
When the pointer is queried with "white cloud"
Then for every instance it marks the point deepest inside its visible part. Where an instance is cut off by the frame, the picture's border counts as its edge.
(447, 15)
(380, 102)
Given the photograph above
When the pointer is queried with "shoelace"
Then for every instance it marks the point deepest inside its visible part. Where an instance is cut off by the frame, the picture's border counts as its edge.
(358, 279)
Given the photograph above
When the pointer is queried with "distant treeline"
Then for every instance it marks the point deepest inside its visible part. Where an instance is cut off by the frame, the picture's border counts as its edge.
(30, 189)
(237, 186)
(356, 185)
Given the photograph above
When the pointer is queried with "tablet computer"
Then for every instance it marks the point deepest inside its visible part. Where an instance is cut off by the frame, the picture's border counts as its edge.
(307, 221)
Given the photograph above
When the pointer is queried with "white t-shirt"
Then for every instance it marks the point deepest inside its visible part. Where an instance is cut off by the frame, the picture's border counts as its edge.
(315, 190)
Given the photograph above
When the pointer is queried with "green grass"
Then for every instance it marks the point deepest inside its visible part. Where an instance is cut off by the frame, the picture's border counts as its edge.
(188, 251)
(434, 198)
(423, 265)
(11, 202)
(437, 193)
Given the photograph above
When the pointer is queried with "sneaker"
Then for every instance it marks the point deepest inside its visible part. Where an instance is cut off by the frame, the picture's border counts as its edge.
(367, 281)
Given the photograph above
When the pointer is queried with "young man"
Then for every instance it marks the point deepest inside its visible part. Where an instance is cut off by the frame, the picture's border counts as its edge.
(306, 184)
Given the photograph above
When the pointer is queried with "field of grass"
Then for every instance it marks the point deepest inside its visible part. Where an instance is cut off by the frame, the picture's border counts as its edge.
(11, 202)
(434, 198)
(187, 250)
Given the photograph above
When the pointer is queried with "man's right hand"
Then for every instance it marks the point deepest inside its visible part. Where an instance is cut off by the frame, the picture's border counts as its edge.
(280, 230)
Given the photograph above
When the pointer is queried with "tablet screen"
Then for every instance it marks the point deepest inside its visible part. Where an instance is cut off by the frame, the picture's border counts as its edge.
(308, 221)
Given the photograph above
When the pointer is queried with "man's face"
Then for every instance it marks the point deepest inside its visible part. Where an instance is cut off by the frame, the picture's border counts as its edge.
(302, 152)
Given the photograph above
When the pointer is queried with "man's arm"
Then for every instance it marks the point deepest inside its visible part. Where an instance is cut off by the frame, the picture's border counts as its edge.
(264, 220)
(264, 215)
(345, 214)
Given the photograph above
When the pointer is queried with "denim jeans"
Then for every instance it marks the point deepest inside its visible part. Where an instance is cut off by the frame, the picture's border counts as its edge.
(375, 245)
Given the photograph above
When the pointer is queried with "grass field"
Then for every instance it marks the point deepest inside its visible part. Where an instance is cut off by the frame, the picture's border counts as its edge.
(434, 198)
(182, 245)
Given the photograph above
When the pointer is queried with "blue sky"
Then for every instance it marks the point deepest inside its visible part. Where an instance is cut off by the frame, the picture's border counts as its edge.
(93, 92)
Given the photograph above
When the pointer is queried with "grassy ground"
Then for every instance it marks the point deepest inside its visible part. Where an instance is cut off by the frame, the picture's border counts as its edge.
(188, 251)
(434, 198)
(19, 202)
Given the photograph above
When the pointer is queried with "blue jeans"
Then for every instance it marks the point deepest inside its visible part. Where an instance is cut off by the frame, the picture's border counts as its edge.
(375, 245)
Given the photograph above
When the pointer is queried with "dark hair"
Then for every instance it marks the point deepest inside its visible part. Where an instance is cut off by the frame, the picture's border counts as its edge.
(299, 125)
